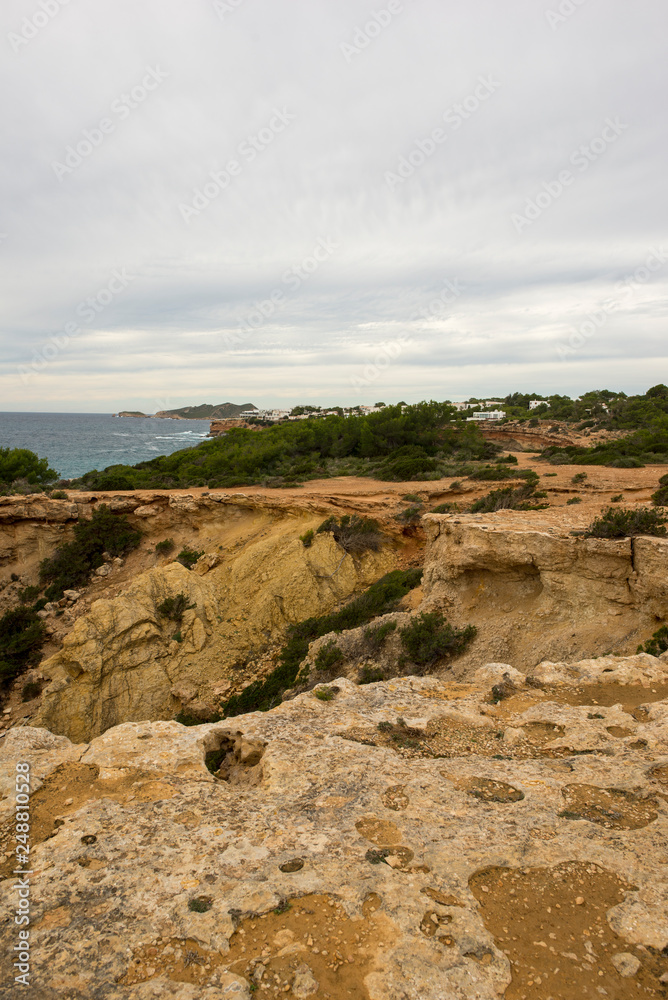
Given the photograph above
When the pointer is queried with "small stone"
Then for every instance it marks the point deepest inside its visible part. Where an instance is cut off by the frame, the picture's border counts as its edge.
(579, 900)
(68, 802)
(626, 964)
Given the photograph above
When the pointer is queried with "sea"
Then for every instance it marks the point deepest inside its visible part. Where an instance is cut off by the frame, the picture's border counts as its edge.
(75, 443)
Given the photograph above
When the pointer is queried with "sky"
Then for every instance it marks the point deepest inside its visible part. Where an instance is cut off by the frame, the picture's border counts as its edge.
(334, 201)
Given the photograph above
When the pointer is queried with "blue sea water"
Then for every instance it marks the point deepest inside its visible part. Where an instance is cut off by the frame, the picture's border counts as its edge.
(75, 443)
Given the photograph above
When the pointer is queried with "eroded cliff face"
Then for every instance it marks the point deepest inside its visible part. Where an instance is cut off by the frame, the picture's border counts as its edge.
(125, 661)
(536, 589)
(408, 839)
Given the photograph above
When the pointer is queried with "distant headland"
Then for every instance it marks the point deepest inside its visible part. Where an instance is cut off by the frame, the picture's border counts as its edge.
(206, 411)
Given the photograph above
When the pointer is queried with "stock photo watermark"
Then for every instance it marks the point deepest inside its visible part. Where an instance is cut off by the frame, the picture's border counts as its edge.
(122, 107)
(390, 351)
(225, 7)
(87, 310)
(365, 33)
(564, 11)
(626, 287)
(582, 158)
(21, 949)
(292, 279)
(247, 151)
(31, 26)
(454, 117)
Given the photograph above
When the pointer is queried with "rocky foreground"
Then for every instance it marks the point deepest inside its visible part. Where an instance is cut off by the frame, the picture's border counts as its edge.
(416, 839)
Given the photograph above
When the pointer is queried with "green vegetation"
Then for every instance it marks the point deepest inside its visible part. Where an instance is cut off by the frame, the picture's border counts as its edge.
(174, 607)
(18, 465)
(188, 557)
(328, 656)
(58, 495)
(200, 904)
(429, 637)
(445, 508)
(622, 522)
(72, 564)
(324, 694)
(495, 472)
(164, 547)
(29, 594)
(620, 496)
(573, 500)
(508, 498)
(377, 636)
(579, 477)
(660, 498)
(307, 538)
(370, 675)
(353, 533)
(31, 690)
(379, 599)
(411, 498)
(395, 444)
(22, 636)
(411, 515)
(658, 644)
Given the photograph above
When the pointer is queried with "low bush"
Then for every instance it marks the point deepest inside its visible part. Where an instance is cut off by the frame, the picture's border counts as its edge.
(509, 498)
(307, 538)
(324, 694)
(188, 557)
(377, 636)
(22, 636)
(353, 533)
(370, 675)
(660, 498)
(622, 522)
(573, 500)
(21, 465)
(445, 508)
(494, 472)
(29, 594)
(579, 477)
(429, 637)
(328, 656)
(58, 495)
(72, 564)
(411, 515)
(620, 496)
(166, 546)
(31, 690)
(411, 498)
(174, 607)
(379, 599)
(658, 644)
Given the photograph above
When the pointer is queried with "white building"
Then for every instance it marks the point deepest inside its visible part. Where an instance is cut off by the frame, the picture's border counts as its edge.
(533, 403)
(490, 415)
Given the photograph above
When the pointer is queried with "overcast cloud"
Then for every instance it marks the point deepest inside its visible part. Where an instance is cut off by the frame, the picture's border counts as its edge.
(330, 201)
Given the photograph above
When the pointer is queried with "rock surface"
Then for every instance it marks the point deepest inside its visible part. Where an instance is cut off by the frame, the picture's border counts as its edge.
(388, 843)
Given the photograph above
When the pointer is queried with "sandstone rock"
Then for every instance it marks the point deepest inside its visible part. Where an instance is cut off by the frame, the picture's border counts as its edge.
(104, 570)
(390, 842)
(626, 964)
(71, 595)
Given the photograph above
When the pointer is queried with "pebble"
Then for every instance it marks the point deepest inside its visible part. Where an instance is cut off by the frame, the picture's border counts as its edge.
(579, 900)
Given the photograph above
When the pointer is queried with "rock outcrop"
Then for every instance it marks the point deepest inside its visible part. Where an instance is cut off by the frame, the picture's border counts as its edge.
(536, 589)
(415, 839)
(124, 661)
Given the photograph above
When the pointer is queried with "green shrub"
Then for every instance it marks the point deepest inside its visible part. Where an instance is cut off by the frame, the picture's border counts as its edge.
(456, 486)
(429, 637)
(573, 500)
(445, 508)
(72, 564)
(508, 498)
(411, 515)
(379, 599)
(353, 533)
(494, 472)
(200, 904)
(328, 656)
(174, 607)
(658, 644)
(579, 477)
(370, 675)
(164, 547)
(178, 636)
(59, 495)
(377, 636)
(411, 498)
(22, 636)
(188, 557)
(324, 694)
(20, 464)
(660, 498)
(307, 538)
(620, 496)
(621, 522)
(29, 594)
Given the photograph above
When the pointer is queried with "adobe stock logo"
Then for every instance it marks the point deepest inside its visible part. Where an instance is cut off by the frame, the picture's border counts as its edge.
(31, 26)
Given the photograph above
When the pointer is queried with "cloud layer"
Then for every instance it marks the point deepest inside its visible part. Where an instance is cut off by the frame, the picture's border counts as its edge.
(332, 202)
